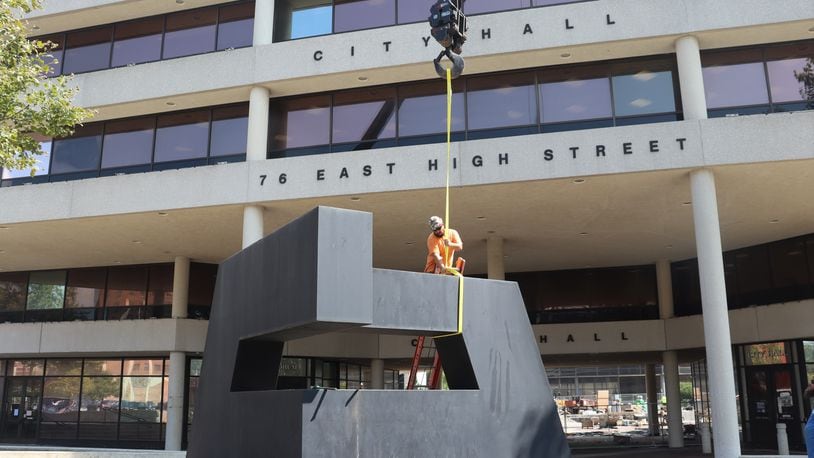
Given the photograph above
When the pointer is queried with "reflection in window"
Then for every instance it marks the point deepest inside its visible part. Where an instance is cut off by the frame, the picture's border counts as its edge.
(735, 85)
(137, 41)
(229, 129)
(56, 367)
(501, 101)
(235, 26)
(422, 109)
(54, 57)
(60, 399)
(787, 80)
(26, 367)
(80, 152)
(364, 14)
(367, 115)
(413, 10)
(126, 286)
(46, 290)
(182, 136)
(87, 50)
(12, 291)
(128, 142)
(159, 291)
(645, 92)
(315, 18)
(42, 165)
(100, 400)
(488, 6)
(190, 32)
(301, 122)
(575, 100)
(103, 367)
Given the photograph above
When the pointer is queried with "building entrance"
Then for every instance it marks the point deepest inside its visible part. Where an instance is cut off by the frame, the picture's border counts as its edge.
(21, 409)
(772, 400)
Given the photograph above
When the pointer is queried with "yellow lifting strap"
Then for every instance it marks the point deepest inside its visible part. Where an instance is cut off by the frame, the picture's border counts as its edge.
(449, 268)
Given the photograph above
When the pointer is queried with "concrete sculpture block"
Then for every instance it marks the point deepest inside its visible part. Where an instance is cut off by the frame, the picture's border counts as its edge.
(314, 276)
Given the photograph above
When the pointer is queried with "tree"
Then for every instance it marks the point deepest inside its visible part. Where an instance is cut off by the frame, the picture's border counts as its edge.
(30, 102)
(806, 79)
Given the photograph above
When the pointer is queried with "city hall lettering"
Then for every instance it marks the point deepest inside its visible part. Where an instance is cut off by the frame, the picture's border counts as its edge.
(478, 161)
(528, 29)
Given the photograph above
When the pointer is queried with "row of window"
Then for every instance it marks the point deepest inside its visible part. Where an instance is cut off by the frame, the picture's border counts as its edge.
(67, 400)
(771, 273)
(102, 293)
(548, 100)
(307, 18)
(167, 141)
(153, 38)
(775, 272)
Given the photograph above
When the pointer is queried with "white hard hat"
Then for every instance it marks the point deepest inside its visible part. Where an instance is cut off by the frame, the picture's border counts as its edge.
(436, 223)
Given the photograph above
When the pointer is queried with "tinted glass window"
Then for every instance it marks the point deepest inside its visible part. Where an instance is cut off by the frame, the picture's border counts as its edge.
(63, 367)
(26, 367)
(160, 288)
(501, 101)
(754, 278)
(126, 286)
(236, 26)
(786, 80)
(60, 399)
(46, 290)
(686, 288)
(12, 291)
(644, 92)
(311, 21)
(54, 57)
(138, 41)
(190, 32)
(87, 50)
(301, 122)
(42, 166)
(143, 367)
(364, 115)
(85, 288)
(79, 152)
(789, 270)
(128, 142)
(413, 10)
(486, 6)
(735, 85)
(202, 283)
(182, 136)
(103, 367)
(363, 14)
(229, 129)
(423, 109)
(575, 100)
(100, 400)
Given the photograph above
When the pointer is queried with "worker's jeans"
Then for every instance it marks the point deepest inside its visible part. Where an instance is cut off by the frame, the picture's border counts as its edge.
(810, 435)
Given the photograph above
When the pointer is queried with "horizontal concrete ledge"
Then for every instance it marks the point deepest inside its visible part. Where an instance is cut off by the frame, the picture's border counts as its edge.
(63, 452)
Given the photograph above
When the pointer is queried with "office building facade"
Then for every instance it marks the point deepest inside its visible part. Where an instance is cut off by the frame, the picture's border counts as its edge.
(641, 169)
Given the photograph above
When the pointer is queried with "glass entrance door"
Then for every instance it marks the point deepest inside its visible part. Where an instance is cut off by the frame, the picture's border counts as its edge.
(771, 395)
(21, 409)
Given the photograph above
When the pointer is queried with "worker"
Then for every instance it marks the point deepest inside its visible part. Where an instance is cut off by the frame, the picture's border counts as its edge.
(442, 244)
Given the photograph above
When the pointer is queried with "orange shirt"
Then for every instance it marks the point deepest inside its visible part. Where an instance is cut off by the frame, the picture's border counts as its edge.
(435, 245)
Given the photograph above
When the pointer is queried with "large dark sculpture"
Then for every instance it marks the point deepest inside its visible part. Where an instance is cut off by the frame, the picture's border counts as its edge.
(315, 276)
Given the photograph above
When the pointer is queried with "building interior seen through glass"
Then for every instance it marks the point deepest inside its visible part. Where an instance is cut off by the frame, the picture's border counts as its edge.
(549, 99)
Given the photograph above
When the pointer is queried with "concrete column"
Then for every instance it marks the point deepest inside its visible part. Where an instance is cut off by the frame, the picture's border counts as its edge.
(721, 374)
(175, 401)
(263, 22)
(652, 400)
(691, 78)
(257, 135)
(377, 374)
(252, 224)
(495, 267)
(180, 288)
(664, 283)
(675, 424)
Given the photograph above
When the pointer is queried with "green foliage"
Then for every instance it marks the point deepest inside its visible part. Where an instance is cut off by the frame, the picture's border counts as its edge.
(45, 296)
(686, 391)
(30, 103)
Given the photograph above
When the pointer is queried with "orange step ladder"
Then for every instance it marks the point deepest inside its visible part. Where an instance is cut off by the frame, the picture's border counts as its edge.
(424, 351)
